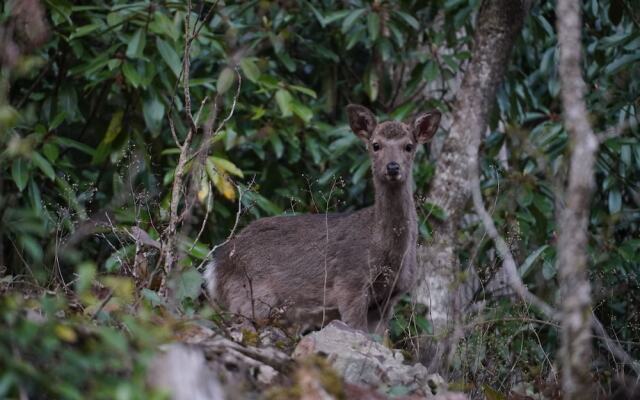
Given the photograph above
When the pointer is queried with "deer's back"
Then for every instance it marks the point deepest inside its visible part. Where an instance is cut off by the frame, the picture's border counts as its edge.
(295, 260)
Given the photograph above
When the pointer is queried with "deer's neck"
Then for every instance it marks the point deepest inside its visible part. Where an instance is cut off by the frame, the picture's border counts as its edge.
(395, 219)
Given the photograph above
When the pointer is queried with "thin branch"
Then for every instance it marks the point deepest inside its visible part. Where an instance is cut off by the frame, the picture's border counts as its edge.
(171, 232)
(233, 230)
(102, 305)
(204, 220)
(509, 263)
(515, 282)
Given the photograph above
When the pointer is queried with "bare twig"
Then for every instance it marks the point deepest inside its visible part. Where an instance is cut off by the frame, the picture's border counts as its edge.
(204, 220)
(509, 263)
(326, 254)
(233, 230)
(102, 305)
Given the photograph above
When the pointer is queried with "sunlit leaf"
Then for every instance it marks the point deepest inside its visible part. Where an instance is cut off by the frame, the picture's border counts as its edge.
(226, 166)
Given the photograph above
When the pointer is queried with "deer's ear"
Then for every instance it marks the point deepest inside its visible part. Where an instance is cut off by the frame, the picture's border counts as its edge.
(425, 126)
(361, 120)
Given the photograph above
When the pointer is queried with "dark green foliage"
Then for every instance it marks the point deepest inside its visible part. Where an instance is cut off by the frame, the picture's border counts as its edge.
(47, 353)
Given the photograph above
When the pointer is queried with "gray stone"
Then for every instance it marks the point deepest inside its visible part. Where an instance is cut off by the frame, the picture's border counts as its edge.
(362, 361)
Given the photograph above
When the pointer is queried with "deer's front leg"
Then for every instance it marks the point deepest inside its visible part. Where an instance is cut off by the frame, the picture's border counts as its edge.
(353, 309)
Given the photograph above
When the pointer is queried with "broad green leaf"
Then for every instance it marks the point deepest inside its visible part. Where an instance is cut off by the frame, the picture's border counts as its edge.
(225, 80)
(304, 90)
(435, 211)
(408, 19)
(188, 284)
(398, 36)
(131, 74)
(43, 165)
(262, 202)
(153, 113)
(114, 19)
(74, 145)
(83, 30)
(622, 62)
(226, 166)
(153, 297)
(8, 116)
(162, 25)
(20, 173)
(32, 247)
(314, 148)
(362, 169)
(334, 16)
(403, 111)
(36, 197)
(250, 69)
(356, 38)
(68, 102)
(526, 266)
(284, 99)
(549, 270)
(301, 111)
(431, 72)
(278, 146)
(373, 24)
(135, 48)
(287, 61)
(57, 120)
(169, 56)
(351, 18)
(114, 128)
(615, 201)
(50, 151)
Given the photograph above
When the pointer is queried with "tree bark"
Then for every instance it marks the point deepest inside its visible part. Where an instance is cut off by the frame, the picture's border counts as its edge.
(498, 25)
(575, 290)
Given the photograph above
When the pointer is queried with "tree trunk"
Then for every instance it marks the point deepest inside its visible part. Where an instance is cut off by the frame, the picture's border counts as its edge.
(498, 25)
(575, 291)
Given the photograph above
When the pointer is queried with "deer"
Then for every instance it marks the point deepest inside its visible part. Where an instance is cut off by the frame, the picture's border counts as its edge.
(354, 265)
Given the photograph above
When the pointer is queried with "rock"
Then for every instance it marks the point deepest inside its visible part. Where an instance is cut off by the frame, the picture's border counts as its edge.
(182, 372)
(362, 361)
(266, 374)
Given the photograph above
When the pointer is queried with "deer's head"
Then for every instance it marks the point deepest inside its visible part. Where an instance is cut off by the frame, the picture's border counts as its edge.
(392, 144)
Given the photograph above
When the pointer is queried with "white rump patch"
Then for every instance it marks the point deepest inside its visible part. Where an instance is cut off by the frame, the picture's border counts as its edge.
(210, 279)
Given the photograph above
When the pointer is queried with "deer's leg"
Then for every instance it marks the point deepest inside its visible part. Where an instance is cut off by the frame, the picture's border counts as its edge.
(353, 310)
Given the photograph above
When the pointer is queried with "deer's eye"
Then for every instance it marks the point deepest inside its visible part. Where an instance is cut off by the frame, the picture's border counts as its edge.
(408, 147)
(375, 146)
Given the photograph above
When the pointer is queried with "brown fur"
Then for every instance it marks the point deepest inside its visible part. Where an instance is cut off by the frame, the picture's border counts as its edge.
(356, 263)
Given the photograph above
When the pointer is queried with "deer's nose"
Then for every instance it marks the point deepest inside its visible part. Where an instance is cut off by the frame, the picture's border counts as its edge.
(393, 168)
